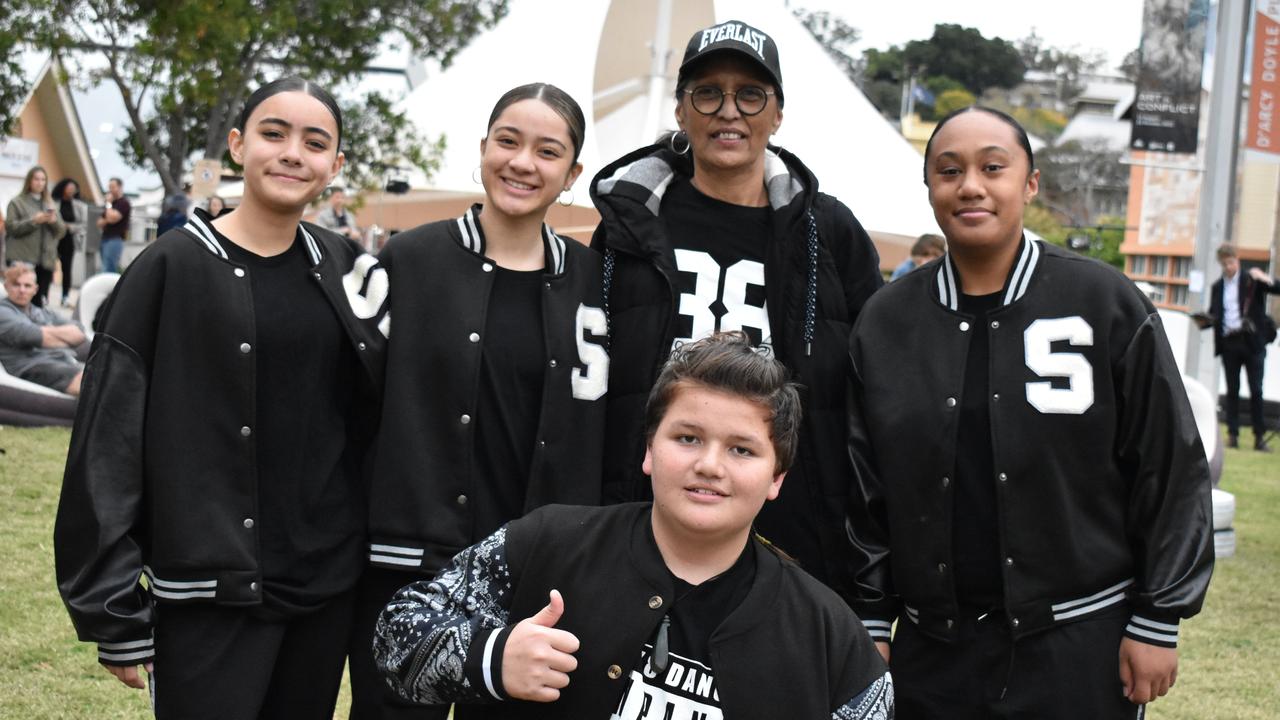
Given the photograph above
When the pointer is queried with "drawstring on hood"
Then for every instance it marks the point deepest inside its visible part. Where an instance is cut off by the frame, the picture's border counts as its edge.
(811, 291)
(607, 284)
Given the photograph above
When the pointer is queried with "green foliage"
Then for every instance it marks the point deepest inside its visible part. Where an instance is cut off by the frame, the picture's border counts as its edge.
(963, 54)
(20, 26)
(1067, 66)
(1042, 221)
(954, 58)
(950, 100)
(835, 35)
(184, 67)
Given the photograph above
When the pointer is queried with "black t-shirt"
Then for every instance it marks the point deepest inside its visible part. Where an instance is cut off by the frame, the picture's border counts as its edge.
(509, 403)
(686, 688)
(974, 526)
(311, 517)
(119, 228)
(719, 250)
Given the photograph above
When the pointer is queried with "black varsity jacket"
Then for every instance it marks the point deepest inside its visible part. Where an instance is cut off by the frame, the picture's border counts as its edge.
(792, 649)
(161, 475)
(1102, 486)
(819, 269)
(419, 513)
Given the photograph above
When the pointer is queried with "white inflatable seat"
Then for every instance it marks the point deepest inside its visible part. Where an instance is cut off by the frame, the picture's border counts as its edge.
(1224, 543)
(1224, 509)
(93, 293)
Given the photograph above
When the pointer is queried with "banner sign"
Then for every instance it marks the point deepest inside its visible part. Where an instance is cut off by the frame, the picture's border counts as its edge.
(1263, 123)
(1166, 113)
(17, 156)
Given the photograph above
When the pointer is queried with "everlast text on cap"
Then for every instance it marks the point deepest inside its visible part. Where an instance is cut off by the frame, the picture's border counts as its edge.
(737, 37)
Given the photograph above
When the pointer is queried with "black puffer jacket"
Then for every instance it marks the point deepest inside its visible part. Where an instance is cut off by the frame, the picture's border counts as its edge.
(819, 270)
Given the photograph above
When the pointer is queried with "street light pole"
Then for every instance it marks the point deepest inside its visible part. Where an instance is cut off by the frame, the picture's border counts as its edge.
(1218, 183)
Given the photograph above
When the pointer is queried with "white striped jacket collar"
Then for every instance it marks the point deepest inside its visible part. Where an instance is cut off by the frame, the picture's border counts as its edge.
(199, 226)
(473, 240)
(1014, 287)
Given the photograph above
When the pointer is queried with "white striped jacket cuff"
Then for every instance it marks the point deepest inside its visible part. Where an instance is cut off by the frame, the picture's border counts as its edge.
(128, 653)
(1152, 632)
(879, 630)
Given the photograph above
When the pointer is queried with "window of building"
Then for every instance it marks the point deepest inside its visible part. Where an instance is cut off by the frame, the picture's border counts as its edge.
(1159, 265)
(1181, 267)
(1158, 292)
(1138, 264)
(1179, 295)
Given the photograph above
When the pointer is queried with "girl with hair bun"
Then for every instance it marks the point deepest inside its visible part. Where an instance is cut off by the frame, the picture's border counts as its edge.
(211, 525)
(496, 374)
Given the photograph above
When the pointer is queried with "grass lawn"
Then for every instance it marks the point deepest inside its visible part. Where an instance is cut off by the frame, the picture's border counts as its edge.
(1230, 666)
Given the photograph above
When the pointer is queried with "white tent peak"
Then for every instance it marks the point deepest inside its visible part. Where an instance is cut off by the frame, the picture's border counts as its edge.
(602, 53)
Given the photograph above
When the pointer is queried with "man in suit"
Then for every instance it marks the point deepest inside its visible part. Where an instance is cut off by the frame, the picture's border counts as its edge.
(1237, 305)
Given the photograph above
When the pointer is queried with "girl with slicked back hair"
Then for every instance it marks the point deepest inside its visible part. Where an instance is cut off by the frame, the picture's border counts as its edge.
(1039, 544)
(219, 440)
(497, 375)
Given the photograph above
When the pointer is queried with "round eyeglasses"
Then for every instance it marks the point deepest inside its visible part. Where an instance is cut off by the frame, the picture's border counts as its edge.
(708, 99)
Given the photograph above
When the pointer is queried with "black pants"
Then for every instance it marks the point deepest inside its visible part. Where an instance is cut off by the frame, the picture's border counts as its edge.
(371, 697)
(1065, 673)
(218, 662)
(1237, 352)
(66, 257)
(44, 278)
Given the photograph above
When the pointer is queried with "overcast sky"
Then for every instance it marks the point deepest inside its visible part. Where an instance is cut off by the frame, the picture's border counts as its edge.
(1112, 26)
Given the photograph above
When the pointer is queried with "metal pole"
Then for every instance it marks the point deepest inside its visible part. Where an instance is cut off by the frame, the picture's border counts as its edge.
(661, 50)
(1218, 184)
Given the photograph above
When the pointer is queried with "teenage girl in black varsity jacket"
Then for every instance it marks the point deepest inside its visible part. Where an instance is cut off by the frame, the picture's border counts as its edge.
(1024, 445)
(218, 441)
(496, 374)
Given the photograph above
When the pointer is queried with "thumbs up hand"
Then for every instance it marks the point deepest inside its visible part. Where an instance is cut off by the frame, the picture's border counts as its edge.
(538, 658)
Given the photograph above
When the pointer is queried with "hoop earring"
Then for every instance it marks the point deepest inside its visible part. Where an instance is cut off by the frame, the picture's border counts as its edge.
(561, 198)
(475, 175)
(679, 136)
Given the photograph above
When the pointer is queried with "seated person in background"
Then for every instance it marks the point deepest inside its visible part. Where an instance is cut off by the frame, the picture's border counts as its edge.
(926, 248)
(36, 344)
(664, 609)
(335, 217)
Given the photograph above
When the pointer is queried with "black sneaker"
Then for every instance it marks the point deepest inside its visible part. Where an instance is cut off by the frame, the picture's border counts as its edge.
(1233, 441)
(1261, 445)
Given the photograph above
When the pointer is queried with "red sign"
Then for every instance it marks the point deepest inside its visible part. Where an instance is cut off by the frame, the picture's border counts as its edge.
(1263, 128)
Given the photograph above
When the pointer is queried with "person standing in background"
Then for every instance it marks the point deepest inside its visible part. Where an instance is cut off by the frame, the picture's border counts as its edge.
(115, 225)
(1237, 307)
(34, 229)
(75, 215)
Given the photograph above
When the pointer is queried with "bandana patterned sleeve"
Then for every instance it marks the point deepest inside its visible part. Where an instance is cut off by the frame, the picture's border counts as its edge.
(874, 703)
(427, 632)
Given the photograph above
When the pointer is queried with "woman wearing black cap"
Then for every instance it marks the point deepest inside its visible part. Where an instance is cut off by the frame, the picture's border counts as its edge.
(714, 229)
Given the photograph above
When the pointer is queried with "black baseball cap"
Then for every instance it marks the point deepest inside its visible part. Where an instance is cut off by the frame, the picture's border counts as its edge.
(739, 37)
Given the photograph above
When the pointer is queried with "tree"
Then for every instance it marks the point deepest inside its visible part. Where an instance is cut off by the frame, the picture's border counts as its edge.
(1130, 65)
(954, 58)
(965, 56)
(20, 26)
(835, 35)
(185, 67)
(1067, 66)
(951, 100)
(1083, 179)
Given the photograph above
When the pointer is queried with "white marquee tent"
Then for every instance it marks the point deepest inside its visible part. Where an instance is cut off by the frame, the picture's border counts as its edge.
(608, 56)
